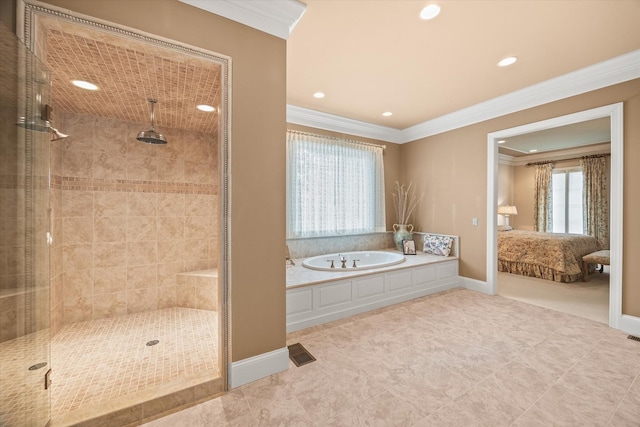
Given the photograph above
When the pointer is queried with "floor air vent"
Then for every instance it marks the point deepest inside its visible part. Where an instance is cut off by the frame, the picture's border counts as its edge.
(299, 355)
(631, 337)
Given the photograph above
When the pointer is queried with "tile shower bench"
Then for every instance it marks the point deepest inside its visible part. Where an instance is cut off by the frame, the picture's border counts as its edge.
(316, 297)
(198, 289)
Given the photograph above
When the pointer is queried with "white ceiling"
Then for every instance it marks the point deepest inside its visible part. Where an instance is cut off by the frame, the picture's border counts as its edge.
(580, 134)
(369, 57)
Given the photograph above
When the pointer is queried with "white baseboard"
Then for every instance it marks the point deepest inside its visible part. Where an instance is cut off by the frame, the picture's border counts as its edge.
(254, 368)
(475, 285)
(630, 325)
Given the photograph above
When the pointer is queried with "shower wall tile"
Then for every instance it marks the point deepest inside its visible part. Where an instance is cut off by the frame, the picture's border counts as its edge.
(167, 297)
(142, 168)
(78, 284)
(77, 257)
(80, 130)
(139, 277)
(171, 228)
(196, 227)
(108, 137)
(110, 229)
(109, 255)
(171, 205)
(141, 253)
(142, 204)
(141, 228)
(170, 251)
(196, 171)
(170, 170)
(57, 318)
(108, 280)
(109, 166)
(57, 296)
(142, 300)
(77, 310)
(109, 204)
(198, 265)
(77, 203)
(127, 217)
(110, 305)
(168, 271)
(196, 249)
(77, 230)
(77, 164)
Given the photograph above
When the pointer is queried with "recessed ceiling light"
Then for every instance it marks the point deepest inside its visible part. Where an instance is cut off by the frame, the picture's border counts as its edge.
(430, 11)
(533, 151)
(502, 141)
(205, 108)
(387, 113)
(84, 85)
(507, 61)
(318, 95)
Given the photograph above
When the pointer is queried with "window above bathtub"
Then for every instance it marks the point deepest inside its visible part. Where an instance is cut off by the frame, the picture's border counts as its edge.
(334, 186)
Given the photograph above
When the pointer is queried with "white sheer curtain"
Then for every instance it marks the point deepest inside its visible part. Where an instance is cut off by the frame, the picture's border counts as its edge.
(334, 186)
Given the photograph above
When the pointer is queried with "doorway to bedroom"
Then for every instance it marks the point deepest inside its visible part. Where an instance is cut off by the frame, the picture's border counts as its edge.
(595, 133)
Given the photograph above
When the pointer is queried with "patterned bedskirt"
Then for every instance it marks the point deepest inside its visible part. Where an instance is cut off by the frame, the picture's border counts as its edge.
(556, 257)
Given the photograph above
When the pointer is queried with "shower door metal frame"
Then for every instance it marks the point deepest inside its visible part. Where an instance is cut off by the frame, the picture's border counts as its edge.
(28, 12)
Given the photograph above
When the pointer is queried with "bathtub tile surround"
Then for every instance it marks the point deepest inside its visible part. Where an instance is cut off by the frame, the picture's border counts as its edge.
(128, 217)
(304, 248)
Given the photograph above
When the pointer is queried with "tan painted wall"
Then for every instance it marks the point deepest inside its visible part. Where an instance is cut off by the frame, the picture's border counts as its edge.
(391, 164)
(451, 169)
(505, 191)
(258, 154)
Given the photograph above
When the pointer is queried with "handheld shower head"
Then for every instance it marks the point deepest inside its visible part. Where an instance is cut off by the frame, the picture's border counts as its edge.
(151, 136)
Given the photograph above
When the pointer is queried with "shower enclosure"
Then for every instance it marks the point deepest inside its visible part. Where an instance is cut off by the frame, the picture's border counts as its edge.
(24, 236)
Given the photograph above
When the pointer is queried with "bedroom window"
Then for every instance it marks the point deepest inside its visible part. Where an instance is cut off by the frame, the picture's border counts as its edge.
(334, 186)
(567, 201)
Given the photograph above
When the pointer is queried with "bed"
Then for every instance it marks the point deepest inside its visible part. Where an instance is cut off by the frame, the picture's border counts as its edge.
(556, 257)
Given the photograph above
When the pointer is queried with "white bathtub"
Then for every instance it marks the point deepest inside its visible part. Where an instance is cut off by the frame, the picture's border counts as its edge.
(364, 260)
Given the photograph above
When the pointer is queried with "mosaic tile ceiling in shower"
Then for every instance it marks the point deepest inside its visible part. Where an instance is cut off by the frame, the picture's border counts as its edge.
(128, 72)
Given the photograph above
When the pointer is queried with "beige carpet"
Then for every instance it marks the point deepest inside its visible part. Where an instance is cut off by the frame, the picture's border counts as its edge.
(585, 299)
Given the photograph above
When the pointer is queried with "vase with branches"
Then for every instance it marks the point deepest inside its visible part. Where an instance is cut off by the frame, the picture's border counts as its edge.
(405, 200)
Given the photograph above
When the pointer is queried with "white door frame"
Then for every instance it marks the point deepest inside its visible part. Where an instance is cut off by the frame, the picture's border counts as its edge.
(614, 112)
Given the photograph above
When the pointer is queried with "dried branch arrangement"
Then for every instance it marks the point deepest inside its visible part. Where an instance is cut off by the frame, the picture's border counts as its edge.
(405, 201)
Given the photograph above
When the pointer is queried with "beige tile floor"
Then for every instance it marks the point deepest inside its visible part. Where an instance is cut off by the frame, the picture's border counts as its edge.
(107, 359)
(459, 358)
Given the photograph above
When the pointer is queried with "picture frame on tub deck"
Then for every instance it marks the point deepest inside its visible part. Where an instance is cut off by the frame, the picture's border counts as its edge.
(409, 247)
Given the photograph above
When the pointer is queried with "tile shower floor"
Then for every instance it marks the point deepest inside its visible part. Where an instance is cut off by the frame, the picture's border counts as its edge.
(103, 360)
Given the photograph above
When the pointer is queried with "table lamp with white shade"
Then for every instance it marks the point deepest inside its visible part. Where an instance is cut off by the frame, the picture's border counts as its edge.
(507, 211)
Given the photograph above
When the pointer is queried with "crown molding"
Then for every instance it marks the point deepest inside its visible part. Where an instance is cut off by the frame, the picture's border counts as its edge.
(505, 159)
(560, 155)
(275, 17)
(320, 120)
(613, 71)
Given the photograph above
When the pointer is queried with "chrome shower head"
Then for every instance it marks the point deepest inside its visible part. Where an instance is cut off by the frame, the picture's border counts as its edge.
(56, 135)
(151, 136)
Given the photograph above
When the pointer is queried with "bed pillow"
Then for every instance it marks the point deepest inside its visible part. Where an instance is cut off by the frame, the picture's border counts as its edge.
(505, 228)
(437, 245)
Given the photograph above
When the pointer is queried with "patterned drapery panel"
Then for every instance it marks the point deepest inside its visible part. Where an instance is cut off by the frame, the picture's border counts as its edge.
(334, 186)
(595, 199)
(543, 201)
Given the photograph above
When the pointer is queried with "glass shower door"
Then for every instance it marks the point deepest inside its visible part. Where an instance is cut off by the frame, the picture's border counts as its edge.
(24, 237)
